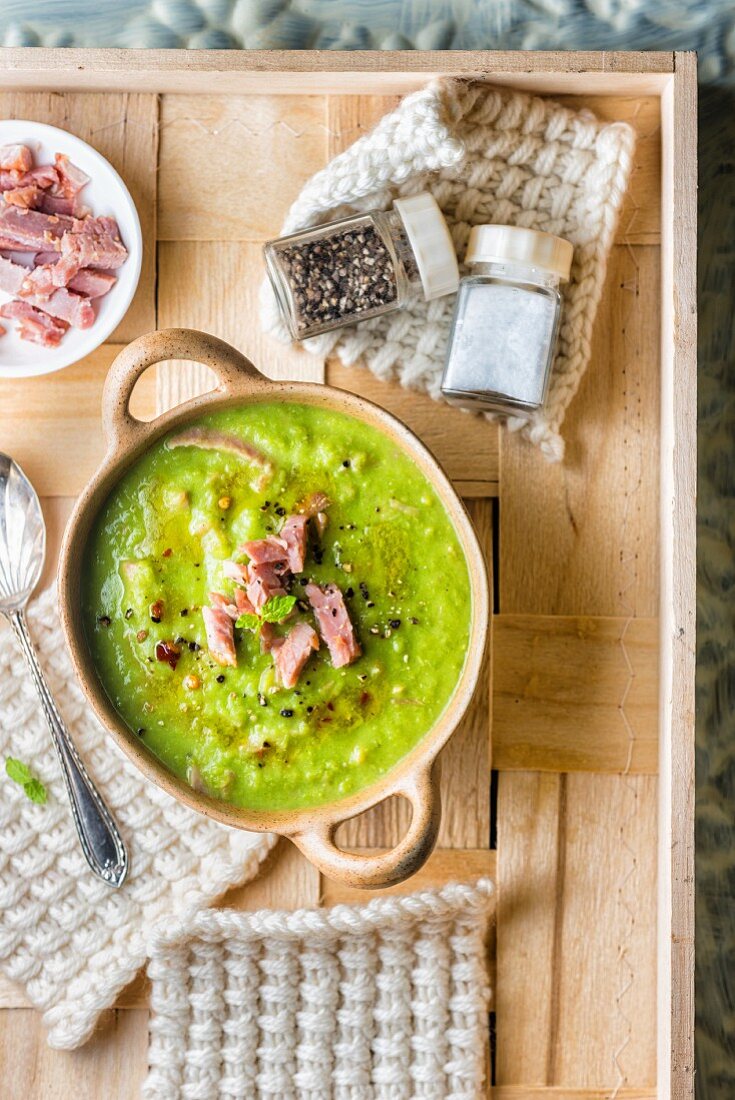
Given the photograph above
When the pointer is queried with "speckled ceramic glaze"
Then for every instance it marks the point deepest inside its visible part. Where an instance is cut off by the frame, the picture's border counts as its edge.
(312, 830)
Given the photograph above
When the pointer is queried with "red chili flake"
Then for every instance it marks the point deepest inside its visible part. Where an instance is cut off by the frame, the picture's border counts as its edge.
(167, 552)
(330, 705)
(156, 611)
(365, 698)
(168, 652)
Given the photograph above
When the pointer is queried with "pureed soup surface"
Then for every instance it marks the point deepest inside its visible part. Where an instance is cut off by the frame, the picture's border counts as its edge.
(159, 548)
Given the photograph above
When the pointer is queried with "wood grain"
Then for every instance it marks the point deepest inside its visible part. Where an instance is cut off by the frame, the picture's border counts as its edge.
(443, 865)
(575, 694)
(124, 129)
(52, 425)
(576, 968)
(464, 765)
(323, 72)
(582, 536)
(227, 277)
(267, 148)
(545, 1092)
(111, 1065)
(676, 1006)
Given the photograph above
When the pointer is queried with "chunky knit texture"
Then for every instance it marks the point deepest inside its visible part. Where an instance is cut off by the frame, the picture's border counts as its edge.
(388, 1000)
(488, 155)
(69, 940)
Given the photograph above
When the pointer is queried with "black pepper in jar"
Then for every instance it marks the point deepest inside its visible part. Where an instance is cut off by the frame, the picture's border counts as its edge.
(361, 267)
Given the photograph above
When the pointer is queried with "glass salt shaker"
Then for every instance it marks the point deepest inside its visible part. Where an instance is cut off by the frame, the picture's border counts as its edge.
(506, 319)
(362, 266)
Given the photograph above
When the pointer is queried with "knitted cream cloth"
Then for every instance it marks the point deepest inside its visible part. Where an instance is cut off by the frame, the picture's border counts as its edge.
(488, 155)
(66, 937)
(389, 1000)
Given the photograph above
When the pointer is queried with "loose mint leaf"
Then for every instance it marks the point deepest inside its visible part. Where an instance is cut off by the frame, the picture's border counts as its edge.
(36, 791)
(21, 774)
(248, 622)
(18, 771)
(277, 608)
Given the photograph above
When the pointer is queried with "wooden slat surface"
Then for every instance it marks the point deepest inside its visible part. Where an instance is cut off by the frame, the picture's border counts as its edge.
(581, 537)
(574, 660)
(575, 694)
(262, 148)
(576, 961)
(544, 1092)
(214, 285)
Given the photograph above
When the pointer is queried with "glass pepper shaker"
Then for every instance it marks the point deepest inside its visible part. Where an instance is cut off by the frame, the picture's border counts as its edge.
(362, 266)
(506, 319)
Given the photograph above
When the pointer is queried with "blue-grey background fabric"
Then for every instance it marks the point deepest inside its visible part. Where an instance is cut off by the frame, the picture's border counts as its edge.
(705, 25)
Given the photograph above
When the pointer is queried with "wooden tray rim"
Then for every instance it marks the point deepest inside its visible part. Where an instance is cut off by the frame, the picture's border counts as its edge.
(672, 76)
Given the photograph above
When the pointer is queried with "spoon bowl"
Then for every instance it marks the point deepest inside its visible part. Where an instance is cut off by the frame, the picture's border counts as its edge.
(22, 553)
(22, 537)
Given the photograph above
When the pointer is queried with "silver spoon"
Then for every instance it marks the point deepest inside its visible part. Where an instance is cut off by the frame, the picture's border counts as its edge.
(22, 552)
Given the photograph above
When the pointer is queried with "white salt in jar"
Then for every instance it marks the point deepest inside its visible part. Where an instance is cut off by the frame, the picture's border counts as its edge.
(506, 319)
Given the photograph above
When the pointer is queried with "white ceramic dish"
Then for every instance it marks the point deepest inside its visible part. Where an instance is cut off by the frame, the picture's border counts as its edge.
(104, 194)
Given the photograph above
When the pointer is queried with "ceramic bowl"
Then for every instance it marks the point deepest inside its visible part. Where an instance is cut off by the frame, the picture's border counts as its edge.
(104, 194)
(414, 777)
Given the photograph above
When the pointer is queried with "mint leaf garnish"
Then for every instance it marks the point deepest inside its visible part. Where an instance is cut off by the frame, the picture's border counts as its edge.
(18, 771)
(273, 611)
(36, 791)
(277, 608)
(21, 774)
(248, 622)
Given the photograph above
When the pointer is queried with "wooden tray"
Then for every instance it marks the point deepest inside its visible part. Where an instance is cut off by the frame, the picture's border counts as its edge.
(591, 678)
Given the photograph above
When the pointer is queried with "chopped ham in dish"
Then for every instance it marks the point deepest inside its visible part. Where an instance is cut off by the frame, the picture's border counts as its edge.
(28, 197)
(45, 175)
(220, 633)
(53, 204)
(291, 656)
(15, 158)
(269, 640)
(71, 178)
(264, 582)
(221, 603)
(93, 284)
(235, 572)
(32, 229)
(95, 242)
(293, 535)
(63, 304)
(41, 212)
(334, 623)
(268, 549)
(243, 604)
(35, 325)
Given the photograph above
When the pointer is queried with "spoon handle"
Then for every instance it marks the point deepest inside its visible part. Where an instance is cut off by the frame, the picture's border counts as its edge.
(101, 842)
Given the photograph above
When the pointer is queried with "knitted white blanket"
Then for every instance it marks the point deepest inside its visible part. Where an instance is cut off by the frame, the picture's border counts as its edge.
(66, 937)
(387, 1001)
(488, 155)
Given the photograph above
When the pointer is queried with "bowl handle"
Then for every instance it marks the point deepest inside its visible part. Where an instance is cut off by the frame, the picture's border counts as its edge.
(382, 868)
(234, 371)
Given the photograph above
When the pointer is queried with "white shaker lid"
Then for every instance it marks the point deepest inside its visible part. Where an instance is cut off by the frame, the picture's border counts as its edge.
(431, 242)
(503, 243)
